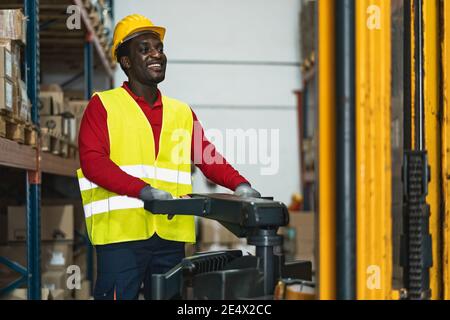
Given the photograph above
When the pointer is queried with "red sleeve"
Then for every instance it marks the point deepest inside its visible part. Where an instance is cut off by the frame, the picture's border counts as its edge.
(93, 142)
(218, 171)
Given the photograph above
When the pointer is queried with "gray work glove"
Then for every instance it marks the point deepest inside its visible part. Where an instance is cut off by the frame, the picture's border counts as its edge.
(149, 193)
(245, 191)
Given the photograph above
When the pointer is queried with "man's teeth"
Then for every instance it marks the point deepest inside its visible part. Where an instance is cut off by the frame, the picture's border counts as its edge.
(155, 65)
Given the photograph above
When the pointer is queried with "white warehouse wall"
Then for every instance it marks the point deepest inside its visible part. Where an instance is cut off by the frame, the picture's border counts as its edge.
(235, 63)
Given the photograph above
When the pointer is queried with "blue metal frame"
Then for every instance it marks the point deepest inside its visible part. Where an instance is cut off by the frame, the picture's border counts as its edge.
(88, 67)
(88, 85)
(19, 281)
(33, 184)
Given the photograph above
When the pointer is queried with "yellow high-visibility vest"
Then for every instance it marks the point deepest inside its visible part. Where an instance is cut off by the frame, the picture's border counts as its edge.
(112, 218)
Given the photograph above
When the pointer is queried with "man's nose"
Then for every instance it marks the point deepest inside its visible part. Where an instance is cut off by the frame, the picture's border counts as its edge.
(155, 53)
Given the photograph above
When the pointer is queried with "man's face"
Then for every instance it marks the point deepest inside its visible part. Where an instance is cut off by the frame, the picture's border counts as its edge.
(147, 59)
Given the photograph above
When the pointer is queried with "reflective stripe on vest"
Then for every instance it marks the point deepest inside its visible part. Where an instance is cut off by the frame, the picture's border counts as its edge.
(146, 172)
(112, 218)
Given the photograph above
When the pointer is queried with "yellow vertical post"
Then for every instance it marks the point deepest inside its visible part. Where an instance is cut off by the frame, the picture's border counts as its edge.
(326, 152)
(433, 133)
(413, 75)
(446, 145)
(373, 149)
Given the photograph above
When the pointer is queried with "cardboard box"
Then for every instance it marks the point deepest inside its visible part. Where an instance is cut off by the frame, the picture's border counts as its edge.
(22, 294)
(22, 105)
(54, 279)
(213, 232)
(76, 107)
(46, 294)
(14, 25)
(56, 96)
(80, 260)
(6, 94)
(45, 105)
(55, 256)
(303, 224)
(84, 293)
(56, 223)
(57, 294)
(78, 211)
(14, 48)
(56, 282)
(54, 123)
(70, 128)
(6, 63)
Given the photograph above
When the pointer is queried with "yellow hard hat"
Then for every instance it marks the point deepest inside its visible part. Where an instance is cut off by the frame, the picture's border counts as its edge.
(132, 25)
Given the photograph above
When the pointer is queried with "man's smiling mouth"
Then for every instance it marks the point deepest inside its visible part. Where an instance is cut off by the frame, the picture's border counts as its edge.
(155, 66)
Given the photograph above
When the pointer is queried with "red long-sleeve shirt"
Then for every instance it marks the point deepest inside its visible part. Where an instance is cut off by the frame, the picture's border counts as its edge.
(94, 150)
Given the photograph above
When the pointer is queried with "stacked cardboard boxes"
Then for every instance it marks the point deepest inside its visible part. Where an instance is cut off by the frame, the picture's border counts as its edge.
(79, 249)
(51, 101)
(14, 103)
(60, 117)
(14, 25)
(57, 235)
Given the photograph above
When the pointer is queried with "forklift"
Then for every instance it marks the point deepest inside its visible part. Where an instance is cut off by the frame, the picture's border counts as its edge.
(231, 274)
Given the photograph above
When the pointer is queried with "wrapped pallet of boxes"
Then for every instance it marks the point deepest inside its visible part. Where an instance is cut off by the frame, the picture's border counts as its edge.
(13, 24)
(6, 63)
(6, 82)
(15, 49)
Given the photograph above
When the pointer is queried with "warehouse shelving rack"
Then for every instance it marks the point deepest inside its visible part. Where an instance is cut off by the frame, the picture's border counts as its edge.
(30, 159)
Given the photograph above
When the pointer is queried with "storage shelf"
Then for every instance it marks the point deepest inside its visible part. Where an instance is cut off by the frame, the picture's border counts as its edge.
(101, 53)
(55, 49)
(57, 165)
(13, 154)
(60, 45)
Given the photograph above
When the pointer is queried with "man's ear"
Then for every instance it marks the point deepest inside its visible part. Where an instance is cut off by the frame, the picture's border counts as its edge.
(125, 62)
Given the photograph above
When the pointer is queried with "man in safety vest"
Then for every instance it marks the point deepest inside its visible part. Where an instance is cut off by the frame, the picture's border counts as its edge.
(137, 144)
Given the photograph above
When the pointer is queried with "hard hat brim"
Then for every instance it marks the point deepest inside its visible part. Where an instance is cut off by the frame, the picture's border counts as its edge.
(161, 31)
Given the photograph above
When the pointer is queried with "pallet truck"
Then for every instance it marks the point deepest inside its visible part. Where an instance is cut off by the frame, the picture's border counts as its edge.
(230, 274)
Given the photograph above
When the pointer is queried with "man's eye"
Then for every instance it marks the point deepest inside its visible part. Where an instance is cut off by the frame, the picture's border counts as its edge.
(144, 49)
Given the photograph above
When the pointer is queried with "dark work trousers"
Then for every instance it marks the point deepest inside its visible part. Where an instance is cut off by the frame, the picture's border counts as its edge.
(123, 267)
